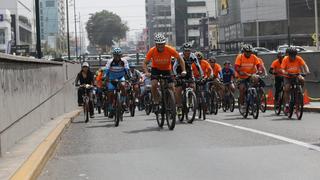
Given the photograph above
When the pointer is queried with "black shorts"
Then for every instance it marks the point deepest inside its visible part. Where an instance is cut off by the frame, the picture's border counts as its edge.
(157, 72)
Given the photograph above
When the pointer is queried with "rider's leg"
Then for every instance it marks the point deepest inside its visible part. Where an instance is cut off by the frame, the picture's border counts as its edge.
(286, 91)
(278, 88)
(80, 94)
(154, 91)
(178, 94)
(242, 90)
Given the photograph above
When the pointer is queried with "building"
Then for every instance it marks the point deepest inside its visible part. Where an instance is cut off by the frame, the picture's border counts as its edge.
(158, 17)
(5, 30)
(264, 23)
(22, 24)
(52, 24)
(187, 15)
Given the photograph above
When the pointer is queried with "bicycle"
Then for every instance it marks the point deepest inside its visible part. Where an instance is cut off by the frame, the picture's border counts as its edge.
(189, 101)
(228, 101)
(86, 101)
(166, 110)
(213, 98)
(117, 102)
(279, 102)
(97, 92)
(131, 100)
(147, 99)
(251, 102)
(105, 102)
(201, 95)
(296, 103)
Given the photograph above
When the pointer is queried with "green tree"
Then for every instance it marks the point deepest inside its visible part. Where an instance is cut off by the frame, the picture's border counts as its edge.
(105, 27)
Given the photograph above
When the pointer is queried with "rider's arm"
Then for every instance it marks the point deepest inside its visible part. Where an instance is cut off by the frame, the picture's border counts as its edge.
(175, 67)
(182, 63)
(196, 62)
(127, 69)
(306, 69)
(146, 61)
(77, 79)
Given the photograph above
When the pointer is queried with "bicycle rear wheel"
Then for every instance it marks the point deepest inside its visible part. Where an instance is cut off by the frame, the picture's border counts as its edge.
(231, 102)
(215, 103)
(147, 103)
(299, 105)
(278, 104)
(170, 109)
(191, 106)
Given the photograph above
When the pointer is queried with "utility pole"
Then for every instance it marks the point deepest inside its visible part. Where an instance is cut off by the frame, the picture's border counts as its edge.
(75, 27)
(80, 34)
(38, 46)
(257, 25)
(316, 23)
(288, 21)
(68, 33)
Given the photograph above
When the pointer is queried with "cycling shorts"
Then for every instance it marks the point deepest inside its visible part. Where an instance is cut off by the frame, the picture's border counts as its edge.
(156, 72)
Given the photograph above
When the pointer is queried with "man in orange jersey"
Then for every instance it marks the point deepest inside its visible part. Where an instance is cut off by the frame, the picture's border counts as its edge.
(160, 56)
(275, 70)
(246, 65)
(292, 66)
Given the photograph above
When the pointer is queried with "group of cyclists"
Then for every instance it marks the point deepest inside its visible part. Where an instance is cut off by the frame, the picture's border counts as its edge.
(182, 83)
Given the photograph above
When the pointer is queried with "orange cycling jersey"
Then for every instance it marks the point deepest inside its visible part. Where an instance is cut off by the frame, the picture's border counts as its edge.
(162, 60)
(276, 66)
(292, 67)
(247, 65)
(99, 80)
(206, 68)
(216, 70)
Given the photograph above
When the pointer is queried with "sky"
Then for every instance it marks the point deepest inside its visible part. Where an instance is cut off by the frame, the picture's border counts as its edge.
(130, 11)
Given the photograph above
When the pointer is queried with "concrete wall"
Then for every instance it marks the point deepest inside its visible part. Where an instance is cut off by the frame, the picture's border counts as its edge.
(32, 93)
(312, 59)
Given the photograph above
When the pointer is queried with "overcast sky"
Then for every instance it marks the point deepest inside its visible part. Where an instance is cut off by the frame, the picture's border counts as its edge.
(131, 11)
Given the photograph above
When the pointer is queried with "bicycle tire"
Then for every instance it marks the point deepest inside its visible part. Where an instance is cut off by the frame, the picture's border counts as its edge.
(299, 106)
(278, 103)
(193, 103)
(291, 104)
(232, 103)
(118, 112)
(215, 103)
(263, 102)
(255, 106)
(170, 109)
(86, 112)
(181, 117)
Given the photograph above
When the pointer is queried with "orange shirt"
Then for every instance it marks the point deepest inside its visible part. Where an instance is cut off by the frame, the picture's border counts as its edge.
(216, 69)
(276, 66)
(292, 67)
(99, 80)
(162, 60)
(247, 65)
(206, 68)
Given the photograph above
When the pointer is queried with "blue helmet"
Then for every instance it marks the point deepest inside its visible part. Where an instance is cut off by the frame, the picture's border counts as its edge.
(117, 51)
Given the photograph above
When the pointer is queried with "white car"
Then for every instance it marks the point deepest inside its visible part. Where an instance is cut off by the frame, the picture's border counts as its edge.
(283, 48)
(262, 50)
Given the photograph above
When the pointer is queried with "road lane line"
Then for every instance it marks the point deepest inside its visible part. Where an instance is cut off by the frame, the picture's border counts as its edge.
(274, 136)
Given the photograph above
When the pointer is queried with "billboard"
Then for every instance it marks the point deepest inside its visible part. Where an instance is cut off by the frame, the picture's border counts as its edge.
(224, 7)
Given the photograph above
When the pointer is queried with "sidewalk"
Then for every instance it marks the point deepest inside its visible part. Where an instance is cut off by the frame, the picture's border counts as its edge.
(14, 160)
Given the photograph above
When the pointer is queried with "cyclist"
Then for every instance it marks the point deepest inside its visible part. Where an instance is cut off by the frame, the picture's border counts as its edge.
(228, 75)
(136, 79)
(85, 76)
(275, 70)
(99, 86)
(217, 85)
(246, 65)
(189, 59)
(206, 69)
(292, 65)
(116, 69)
(161, 55)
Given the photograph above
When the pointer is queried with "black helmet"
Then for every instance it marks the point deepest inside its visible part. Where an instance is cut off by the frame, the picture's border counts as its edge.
(186, 47)
(292, 51)
(227, 62)
(247, 47)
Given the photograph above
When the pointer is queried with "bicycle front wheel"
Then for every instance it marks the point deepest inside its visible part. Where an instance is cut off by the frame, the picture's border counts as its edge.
(263, 102)
(191, 106)
(299, 106)
(255, 106)
(170, 109)
(118, 111)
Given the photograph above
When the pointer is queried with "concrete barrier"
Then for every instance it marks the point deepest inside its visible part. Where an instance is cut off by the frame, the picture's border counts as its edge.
(311, 58)
(32, 92)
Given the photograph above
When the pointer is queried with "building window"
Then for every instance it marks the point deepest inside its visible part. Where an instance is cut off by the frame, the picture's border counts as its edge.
(49, 3)
(2, 36)
(199, 3)
(197, 15)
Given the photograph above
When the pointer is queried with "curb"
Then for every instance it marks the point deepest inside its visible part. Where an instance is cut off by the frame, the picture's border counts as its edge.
(33, 166)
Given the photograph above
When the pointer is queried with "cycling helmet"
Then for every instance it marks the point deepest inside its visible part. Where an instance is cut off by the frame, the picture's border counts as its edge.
(85, 64)
(199, 54)
(292, 51)
(117, 51)
(159, 39)
(281, 53)
(227, 62)
(186, 47)
(247, 48)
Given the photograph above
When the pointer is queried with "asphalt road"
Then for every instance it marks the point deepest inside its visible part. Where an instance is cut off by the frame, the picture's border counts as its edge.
(224, 147)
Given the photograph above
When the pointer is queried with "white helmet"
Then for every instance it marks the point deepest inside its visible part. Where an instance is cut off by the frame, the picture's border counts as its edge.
(85, 64)
(159, 39)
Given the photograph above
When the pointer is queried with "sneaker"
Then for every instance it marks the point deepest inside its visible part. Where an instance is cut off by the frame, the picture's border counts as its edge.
(179, 111)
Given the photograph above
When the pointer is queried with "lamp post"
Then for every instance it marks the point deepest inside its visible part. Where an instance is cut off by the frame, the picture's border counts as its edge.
(38, 45)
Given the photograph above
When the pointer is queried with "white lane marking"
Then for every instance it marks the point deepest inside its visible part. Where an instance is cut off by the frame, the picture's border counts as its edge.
(274, 136)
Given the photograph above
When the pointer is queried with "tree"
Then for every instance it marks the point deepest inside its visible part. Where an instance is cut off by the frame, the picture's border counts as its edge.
(105, 27)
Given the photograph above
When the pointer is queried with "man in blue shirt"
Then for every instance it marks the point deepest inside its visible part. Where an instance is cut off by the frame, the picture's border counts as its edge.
(228, 75)
(116, 69)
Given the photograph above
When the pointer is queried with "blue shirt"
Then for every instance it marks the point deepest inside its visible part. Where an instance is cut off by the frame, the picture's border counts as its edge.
(116, 70)
(227, 75)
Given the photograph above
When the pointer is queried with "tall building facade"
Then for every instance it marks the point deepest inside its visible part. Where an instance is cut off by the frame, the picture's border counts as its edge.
(52, 23)
(22, 14)
(265, 23)
(187, 15)
(158, 17)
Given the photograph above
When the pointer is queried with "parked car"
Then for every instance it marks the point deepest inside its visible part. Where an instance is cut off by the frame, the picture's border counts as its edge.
(262, 50)
(283, 48)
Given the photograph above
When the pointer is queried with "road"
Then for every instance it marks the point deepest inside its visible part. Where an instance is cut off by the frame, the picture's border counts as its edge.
(224, 147)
